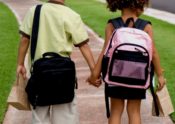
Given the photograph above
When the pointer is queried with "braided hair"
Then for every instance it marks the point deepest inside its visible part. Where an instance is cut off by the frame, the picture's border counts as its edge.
(115, 5)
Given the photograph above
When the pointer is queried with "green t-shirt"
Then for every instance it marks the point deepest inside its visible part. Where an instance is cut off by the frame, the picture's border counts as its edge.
(60, 28)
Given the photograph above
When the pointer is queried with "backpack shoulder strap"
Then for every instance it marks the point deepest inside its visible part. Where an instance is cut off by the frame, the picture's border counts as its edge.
(140, 23)
(107, 101)
(116, 22)
(35, 29)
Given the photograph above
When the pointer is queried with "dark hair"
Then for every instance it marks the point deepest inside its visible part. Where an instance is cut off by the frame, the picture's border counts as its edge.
(115, 5)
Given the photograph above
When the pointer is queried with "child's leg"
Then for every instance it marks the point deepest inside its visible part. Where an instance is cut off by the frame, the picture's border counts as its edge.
(133, 109)
(41, 115)
(117, 107)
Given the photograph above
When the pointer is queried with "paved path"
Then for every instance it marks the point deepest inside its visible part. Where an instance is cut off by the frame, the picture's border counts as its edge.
(90, 100)
(167, 5)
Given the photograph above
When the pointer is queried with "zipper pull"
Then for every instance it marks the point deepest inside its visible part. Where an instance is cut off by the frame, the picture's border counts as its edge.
(143, 53)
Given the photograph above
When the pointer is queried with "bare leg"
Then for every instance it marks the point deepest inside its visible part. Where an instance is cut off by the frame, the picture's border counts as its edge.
(133, 109)
(117, 107)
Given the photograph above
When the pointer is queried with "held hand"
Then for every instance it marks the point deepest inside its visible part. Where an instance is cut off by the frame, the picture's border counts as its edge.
(94, 82)
(21, 70)
(98, 82)
(161, 82)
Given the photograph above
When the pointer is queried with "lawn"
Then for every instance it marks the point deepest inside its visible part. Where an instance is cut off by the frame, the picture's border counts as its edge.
(8, 45)
(95, 15)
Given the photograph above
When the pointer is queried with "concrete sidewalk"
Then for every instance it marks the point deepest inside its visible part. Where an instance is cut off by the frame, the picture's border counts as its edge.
(159, 14)
(90, 100)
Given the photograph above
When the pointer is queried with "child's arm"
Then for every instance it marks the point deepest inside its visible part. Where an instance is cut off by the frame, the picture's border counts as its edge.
(86, 52)
(156, 61)
(97, 70)
(158, 69)
(23, 46)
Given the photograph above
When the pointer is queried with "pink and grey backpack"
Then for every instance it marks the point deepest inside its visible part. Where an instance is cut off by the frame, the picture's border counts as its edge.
(127, 61)
(128, 55)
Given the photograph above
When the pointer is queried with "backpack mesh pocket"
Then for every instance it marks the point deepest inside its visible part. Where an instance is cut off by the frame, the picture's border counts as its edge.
(129, 69)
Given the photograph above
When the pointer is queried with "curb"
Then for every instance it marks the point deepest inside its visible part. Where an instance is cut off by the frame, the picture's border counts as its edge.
(158, 14)
(161, 15)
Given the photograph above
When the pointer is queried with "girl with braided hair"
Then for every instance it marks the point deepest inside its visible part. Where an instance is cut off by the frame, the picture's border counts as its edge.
(129, 9)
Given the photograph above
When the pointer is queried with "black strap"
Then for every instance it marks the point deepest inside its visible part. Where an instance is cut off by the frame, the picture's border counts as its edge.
(140, 24)
(117, 22)
(152, 90)
(35, 29)
(107, 101)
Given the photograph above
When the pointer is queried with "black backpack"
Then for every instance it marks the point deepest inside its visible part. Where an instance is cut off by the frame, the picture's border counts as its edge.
(53, 77)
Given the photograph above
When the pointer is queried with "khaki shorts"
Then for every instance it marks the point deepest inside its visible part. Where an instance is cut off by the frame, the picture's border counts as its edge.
(56, 114)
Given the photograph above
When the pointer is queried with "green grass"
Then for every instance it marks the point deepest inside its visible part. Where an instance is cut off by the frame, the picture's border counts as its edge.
(8, 45)
(95, 15)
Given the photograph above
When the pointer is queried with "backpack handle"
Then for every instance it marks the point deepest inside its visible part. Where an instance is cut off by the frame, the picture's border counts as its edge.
(128, 21)
(50, 54)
